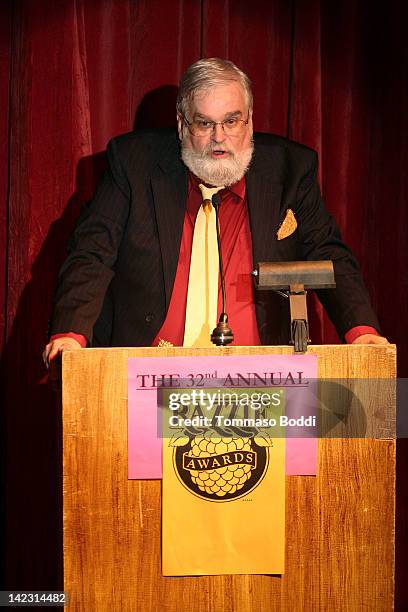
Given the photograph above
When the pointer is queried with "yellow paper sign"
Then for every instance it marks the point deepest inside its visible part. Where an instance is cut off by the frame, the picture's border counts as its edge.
(223, 505)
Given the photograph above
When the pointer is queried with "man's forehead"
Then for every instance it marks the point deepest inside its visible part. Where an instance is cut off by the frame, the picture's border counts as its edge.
(227, 115)
(226, 97)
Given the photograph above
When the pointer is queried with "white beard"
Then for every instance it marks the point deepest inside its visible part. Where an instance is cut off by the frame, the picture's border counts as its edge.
(217, 172)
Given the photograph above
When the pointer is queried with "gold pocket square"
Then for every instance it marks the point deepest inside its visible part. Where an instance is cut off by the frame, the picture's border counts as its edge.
(288, 225)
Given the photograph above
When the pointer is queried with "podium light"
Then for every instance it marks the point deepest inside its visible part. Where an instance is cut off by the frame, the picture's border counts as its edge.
(291, 279)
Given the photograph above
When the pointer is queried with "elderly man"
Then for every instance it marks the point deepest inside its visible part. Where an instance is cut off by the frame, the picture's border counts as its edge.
(126, 279)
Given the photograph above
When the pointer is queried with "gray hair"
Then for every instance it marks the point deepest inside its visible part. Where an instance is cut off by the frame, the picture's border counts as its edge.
(207, 73)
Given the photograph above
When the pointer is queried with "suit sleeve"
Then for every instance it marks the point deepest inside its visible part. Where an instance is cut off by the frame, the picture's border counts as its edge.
(92, 251)
(348, 305)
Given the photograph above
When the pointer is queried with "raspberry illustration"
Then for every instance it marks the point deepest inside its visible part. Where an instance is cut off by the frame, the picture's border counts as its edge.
(208, 452)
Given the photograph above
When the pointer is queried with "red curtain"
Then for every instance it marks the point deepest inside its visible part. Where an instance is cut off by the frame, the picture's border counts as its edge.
(74, 73)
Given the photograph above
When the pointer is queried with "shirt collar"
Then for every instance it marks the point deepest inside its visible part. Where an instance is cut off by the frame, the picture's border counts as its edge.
(237, 189)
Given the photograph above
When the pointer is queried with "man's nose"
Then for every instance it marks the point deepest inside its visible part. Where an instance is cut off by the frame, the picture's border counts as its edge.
(218, 134)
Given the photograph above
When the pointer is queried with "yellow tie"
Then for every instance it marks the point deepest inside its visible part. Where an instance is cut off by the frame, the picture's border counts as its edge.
(202, 295)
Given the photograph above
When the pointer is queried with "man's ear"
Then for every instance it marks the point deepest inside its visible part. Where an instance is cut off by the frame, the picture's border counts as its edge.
(180, 126)
(251, 112)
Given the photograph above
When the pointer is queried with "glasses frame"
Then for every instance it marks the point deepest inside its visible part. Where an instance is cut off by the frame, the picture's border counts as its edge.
(213, 124)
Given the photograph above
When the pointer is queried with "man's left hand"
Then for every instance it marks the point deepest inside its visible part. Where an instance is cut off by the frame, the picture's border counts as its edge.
(370, 339)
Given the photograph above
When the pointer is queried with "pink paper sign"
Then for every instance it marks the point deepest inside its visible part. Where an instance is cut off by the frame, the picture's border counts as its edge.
(296, 374)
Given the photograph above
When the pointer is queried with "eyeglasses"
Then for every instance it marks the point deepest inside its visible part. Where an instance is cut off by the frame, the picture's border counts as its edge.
(203, 127)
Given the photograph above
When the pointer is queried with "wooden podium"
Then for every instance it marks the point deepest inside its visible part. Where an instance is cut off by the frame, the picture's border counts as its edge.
(339, 524)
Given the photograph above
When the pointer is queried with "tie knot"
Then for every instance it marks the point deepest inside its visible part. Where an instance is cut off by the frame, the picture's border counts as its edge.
(208, 192)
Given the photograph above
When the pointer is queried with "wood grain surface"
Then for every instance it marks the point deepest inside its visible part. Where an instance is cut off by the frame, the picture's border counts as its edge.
(339, 524)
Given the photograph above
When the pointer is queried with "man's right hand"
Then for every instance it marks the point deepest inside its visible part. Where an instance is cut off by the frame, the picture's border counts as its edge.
(52, 355)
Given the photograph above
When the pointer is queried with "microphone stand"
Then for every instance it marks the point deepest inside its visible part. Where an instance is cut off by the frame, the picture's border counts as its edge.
(222, 334)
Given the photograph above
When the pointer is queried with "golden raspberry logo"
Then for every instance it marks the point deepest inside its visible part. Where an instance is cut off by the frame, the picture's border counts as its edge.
(220, 469)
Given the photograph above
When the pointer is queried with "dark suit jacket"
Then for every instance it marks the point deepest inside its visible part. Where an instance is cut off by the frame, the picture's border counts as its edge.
(116, 284)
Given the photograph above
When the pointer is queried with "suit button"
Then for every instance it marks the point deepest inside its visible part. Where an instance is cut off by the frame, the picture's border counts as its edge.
(149, 318)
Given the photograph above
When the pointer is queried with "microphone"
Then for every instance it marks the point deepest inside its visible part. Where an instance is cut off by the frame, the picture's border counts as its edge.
(222, 334)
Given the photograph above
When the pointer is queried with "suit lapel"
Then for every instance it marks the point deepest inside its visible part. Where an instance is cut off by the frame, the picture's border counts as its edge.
(264, 200)
(169, 187)
(264, 194)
